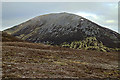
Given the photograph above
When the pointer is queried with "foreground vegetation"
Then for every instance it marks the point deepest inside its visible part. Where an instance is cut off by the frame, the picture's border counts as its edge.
(90, 43)
(32, 60)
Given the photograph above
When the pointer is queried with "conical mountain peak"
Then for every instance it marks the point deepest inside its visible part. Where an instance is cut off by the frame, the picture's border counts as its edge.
(57, 28)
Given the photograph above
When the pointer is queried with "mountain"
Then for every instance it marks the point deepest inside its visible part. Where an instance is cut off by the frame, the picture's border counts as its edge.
(22, 59)
(57, 28)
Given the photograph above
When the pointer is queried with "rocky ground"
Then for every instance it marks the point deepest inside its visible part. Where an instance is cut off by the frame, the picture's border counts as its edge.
(32, 60)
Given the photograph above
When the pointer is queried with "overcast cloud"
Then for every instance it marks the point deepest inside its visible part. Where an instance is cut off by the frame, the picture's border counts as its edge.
(104, 14)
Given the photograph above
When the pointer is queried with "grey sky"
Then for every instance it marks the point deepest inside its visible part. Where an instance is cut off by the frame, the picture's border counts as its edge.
(104, 14)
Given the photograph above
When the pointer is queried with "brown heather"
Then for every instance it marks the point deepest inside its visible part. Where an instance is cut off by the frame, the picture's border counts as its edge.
(32, 60)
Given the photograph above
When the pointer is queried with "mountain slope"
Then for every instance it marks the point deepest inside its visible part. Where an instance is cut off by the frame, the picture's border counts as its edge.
(8, 38)
(57, 28)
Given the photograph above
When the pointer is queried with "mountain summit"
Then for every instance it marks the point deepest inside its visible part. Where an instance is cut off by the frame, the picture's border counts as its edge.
(57, 28)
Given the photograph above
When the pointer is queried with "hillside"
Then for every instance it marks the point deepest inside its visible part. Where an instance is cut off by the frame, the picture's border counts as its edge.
(57, 28)
(37, 60)
(9, 38)
(33, 60)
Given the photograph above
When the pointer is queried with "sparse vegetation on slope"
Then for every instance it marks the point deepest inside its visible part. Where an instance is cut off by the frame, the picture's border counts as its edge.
(90, 43)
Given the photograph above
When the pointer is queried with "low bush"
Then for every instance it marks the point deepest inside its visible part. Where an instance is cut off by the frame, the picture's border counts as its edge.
(90, 43)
